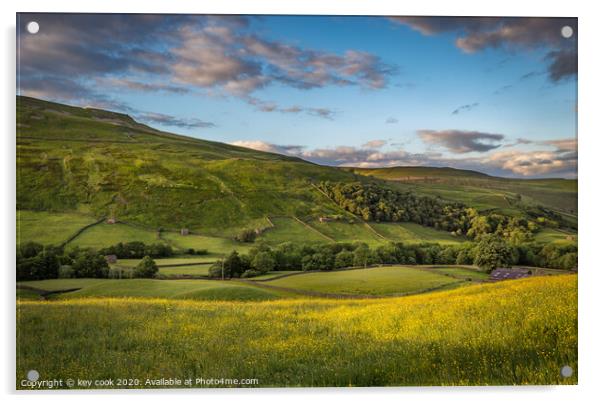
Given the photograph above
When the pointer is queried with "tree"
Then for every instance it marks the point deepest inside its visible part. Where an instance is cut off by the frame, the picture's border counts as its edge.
(361, 255)
(343, 259)
(264, 262)
(147, 268)
(491, 252)
(90, 264)
(232, 266)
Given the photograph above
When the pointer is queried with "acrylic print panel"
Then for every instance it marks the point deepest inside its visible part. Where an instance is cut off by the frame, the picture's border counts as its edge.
(269, 201)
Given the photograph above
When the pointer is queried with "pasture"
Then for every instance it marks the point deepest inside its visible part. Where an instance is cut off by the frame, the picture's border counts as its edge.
(413, 233)
(103, 235)
(288, 229)
(49, 228)
(372, 281)
(515, 332)
(151, 288)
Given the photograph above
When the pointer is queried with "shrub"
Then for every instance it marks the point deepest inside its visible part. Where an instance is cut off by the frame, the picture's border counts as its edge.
(147, 268)
(90, 264)
(251, 273)
(66, 271)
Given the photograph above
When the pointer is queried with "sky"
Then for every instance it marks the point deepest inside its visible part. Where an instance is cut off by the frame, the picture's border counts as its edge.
(497, 95)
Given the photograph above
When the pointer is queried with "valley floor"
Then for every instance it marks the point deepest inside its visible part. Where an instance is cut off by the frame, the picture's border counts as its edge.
(511, 332)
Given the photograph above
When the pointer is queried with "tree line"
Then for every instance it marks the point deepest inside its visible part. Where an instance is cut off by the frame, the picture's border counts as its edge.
(373, 202)
(489, 252)
(39, 262)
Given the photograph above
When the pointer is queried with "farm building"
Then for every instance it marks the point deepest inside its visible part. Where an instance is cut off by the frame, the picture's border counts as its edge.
(111, 220)
(111, 259)
(184, 231)
(509, 274)
(325, 219)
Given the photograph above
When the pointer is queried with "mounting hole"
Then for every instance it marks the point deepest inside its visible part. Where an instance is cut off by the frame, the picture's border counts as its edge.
(566, 32)
(566, 371)
(33, 27)
(33, 375)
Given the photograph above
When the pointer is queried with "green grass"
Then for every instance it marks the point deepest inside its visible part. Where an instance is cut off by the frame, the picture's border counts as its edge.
(345, 232)
(372, 281)
(63, 284)
(192, 270)
(491, 334)
(214, 245)
(274, 274)
(414, 233)
(188, 260)
(288, 229)
(148, 288)
(552, 235)
(462, 273)
(104, 235)
(49, 228)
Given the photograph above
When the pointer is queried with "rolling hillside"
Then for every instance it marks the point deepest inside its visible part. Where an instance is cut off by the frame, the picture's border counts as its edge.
(105, 164)
(79, 166)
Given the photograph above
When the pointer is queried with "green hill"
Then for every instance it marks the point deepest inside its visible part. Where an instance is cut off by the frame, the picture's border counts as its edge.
(107, 165)
(79, 166)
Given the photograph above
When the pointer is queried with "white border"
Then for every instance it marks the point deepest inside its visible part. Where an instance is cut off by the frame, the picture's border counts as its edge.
(590, 148)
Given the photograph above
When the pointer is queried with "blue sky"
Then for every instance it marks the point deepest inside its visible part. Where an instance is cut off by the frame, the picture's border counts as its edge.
(493, 94)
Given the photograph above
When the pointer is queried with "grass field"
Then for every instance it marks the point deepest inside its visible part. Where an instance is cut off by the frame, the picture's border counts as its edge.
(104, 235)
(147, 288)
(49, 228)
(179, 260)
(552, 235)
(414, 233)
(463, 273)
(213, 245)
(192, 270)
(514, 332)
(345, 232)
(373, 281)
(274, 274)
(289, 229)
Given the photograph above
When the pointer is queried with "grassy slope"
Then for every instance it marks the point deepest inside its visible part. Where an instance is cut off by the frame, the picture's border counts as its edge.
(486, 334)
(373, 281)
(414, 233)
(480, 190)
(71, 159)
(146, 288)
(49, 228)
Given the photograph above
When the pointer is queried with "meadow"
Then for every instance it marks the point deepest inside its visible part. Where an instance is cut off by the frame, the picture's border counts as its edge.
(514, 332)
(49, 228)
(372, 281)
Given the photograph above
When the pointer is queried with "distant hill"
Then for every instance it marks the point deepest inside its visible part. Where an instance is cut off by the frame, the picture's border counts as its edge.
(417, 173)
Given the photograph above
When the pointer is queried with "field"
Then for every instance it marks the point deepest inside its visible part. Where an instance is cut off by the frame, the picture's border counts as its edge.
(147, 288)
(213, 245)
(414, 233)
(289, 229)
(514, 332)
(191, 270)
(345, 232)
(373, 281)
(104, 235)
(49, 228)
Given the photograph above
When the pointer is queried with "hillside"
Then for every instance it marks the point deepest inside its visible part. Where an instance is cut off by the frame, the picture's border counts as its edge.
(107, 165)
(79, 166)
(485, 192)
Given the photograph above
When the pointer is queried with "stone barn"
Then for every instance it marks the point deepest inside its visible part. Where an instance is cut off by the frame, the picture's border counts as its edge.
(111, 220)
(184, 231)
(111, 259)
